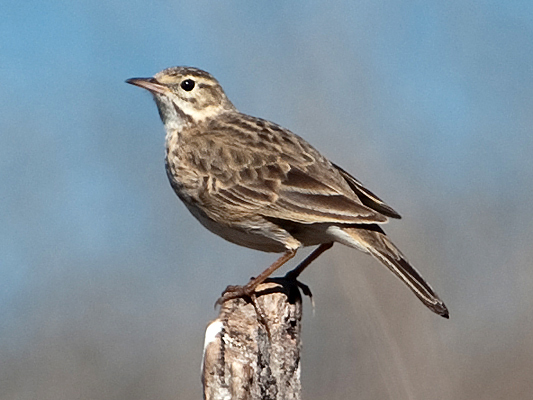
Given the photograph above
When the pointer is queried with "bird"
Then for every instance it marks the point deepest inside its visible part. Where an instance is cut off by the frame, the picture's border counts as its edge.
(259, 185)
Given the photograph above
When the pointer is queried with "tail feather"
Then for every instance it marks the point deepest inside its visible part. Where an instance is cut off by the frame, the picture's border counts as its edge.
(375, 241)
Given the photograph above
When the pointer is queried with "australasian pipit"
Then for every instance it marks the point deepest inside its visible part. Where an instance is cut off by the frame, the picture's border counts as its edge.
(259, 185)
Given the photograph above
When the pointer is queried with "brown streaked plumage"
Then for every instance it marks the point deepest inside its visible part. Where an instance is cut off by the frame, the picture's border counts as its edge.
(259, 185)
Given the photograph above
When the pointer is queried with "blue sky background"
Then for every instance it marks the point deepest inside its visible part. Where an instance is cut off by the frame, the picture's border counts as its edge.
(106, 281)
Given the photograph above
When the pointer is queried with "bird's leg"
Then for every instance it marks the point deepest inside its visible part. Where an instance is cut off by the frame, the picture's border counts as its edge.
(310, 258)
(233, 292)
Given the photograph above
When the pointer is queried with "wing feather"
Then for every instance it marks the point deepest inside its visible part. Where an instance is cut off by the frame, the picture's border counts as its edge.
(366, 196)
(279, 175)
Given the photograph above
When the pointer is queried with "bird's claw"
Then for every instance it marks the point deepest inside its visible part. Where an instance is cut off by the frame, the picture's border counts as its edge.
(234, 292)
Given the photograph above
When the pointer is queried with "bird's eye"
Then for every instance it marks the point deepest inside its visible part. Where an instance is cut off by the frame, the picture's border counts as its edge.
(187, 85)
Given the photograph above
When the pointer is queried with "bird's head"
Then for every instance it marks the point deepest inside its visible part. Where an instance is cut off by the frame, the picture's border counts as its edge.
(185, 96)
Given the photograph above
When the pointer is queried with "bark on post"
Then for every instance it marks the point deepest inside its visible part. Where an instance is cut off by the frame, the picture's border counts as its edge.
(255, 354)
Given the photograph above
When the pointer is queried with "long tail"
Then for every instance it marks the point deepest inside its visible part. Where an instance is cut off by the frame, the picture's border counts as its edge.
(372, 239)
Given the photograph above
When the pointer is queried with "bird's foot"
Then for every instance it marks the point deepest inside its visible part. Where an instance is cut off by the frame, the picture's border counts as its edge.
(232, 292)
(246, 292)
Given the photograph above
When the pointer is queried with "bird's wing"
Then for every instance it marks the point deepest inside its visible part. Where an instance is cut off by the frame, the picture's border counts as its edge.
(277, 174)
(312, 195)
(366, 196)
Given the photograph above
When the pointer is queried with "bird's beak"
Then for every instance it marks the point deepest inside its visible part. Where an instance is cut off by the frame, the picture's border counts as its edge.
(150, 84)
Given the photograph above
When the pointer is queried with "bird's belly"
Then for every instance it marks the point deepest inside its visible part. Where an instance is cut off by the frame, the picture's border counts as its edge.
(253, 237)
(312, 234)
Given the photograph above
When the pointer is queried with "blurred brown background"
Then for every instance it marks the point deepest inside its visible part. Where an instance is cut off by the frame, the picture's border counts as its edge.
(106, 281)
